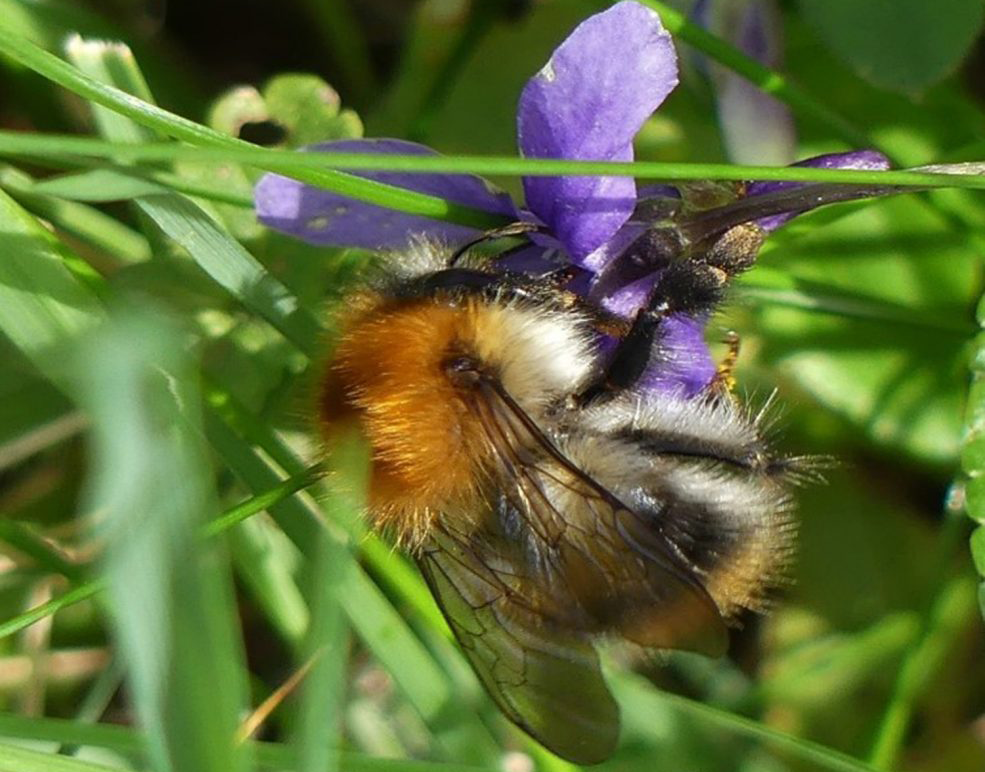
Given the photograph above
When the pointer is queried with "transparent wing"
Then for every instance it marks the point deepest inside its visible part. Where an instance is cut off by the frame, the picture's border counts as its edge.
(551, 559)
(622, 571)
(544, 679)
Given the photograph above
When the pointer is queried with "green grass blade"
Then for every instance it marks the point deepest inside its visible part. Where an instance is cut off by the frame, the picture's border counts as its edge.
(51, 67)
(122, 184)
(268, 498)
(303, 165)
(426, 686)
(76, 595)
(99, 186)
(235, 269)
(323, 691)
(23, 538)
(945, 621)
(97, 699)
(14, 759)
(639, 699)
(92, 226)
(128, 742)
(235, 515)
(112, 63)
(43, 304)
(171, 600)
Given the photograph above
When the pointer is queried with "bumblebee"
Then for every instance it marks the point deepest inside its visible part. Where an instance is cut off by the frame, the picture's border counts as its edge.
(547, 499)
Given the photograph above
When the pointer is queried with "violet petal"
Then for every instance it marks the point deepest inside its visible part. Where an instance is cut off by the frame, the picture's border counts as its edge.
(326, 218)
(587, 103)
(630, 298)
(682, 363)
(863, 160)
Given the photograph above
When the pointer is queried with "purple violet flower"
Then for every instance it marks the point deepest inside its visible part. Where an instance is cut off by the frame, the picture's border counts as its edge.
(586, 103)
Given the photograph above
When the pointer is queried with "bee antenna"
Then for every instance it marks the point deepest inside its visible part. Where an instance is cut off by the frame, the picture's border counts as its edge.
(519, 228)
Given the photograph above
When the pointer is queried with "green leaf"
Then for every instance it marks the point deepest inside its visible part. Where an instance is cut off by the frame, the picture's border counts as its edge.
(901, 45)
(310, 110)
(264, 560)
(978, 549)
(305, 107)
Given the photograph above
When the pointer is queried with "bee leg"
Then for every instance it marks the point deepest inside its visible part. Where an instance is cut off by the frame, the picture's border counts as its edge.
(691, 286)
(724, 381)
(519, 228)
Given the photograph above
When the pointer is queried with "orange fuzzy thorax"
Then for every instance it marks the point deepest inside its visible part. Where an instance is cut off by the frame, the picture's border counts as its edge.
(389, 373)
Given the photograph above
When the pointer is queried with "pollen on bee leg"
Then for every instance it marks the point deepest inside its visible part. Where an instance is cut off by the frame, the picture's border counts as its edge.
(723, 383)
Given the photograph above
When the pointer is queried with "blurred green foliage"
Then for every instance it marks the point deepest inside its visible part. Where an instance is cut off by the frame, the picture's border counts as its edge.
(159, 345)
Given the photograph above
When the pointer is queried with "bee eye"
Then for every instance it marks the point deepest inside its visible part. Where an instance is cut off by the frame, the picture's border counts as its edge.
(463, 370)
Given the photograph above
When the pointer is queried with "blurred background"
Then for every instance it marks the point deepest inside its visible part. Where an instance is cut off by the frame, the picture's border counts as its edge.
(140, 396)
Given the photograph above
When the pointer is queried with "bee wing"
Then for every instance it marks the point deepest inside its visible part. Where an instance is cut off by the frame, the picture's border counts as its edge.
(545, 680)
(624, 571)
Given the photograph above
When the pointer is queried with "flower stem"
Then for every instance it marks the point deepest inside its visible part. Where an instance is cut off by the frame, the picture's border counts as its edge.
(309, 165)
(768, 80)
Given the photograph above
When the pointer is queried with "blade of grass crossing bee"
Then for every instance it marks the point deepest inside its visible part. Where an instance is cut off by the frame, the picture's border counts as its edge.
(170, 595)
